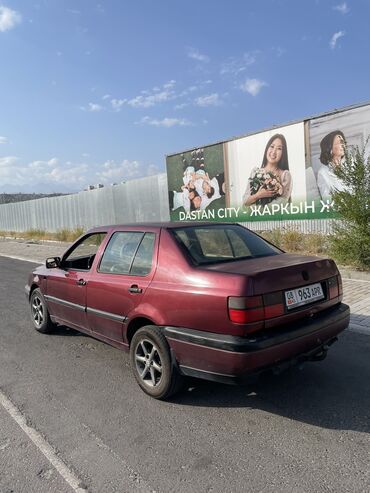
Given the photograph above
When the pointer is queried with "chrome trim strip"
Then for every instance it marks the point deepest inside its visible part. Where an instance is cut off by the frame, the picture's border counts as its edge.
(110, 316)
(64, 303)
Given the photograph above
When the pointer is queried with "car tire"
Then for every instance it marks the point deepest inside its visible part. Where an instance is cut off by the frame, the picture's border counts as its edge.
(152, 364)
(39, 313)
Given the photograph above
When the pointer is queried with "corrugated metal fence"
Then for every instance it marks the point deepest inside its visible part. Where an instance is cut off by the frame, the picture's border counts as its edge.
(140, 200)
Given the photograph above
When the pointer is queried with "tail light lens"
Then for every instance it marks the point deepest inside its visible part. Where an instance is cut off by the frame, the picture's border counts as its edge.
(333, 287)
(245, 309)
(340, 285)
(249, 309)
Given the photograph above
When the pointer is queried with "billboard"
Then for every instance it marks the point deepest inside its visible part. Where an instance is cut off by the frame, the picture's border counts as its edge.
(283, 173)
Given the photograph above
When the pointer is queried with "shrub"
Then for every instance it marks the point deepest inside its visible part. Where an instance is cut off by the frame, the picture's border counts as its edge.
(34, 234)
(68, 234)
(316, 244)
(292, 240)
(274, 236)
(350, 241)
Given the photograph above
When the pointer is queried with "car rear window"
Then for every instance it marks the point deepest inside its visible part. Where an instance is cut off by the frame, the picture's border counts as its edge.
(222, 243)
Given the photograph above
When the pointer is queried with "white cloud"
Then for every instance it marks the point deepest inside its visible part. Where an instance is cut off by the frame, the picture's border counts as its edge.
(92, 107)
(181, 106)
(152, 98)
(112, 170)
(253, 86)
(42, 165)
(196, 55)
(124, 170)
(95, 107)
(235, 65)
(3, 140)
(67, 174)
(8, 18)
(106, 96)
(8, 161)
(279, 51)
(165, 122)
(52, 174)
(169, 85)
(342, 8)
(208, 100)
(334, 39)
(117, 104)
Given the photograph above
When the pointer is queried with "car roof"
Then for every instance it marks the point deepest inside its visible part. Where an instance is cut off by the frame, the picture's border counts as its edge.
(157, 225)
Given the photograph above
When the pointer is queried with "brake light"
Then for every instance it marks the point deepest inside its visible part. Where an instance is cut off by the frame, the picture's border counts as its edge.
(333, 287)
(245, 309)
(249, 309)
(340, 285)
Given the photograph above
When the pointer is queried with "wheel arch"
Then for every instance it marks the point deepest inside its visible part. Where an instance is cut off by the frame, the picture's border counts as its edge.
(32, 289)
(135, 324)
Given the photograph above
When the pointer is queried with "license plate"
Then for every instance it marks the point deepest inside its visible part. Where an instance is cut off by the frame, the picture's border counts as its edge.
(304, 295)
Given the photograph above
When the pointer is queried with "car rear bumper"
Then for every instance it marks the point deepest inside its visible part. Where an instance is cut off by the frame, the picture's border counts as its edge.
(229, 359)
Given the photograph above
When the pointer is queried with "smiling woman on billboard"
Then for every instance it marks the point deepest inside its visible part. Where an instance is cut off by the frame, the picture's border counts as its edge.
(272, 182)
(332, 153)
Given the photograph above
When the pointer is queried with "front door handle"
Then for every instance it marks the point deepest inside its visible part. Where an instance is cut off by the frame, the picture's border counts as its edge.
(135, 289)
(81, 282)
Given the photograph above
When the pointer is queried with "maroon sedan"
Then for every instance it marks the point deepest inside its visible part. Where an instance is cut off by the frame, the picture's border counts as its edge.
(214, 301)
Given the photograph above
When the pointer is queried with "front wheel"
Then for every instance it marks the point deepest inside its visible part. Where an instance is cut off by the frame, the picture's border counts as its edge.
(152, 365)
(39, 313)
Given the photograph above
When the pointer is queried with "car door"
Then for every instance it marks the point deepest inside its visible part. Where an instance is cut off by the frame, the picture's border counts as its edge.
(66, 285)
(120, 281)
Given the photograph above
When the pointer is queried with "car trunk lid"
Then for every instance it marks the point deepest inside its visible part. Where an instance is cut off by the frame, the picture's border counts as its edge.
(278, 272)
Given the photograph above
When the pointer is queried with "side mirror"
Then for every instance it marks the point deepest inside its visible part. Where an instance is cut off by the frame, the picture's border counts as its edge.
(52, 262)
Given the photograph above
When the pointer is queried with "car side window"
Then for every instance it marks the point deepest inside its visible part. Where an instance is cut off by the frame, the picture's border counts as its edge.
(81, 257)
(128, 253)
(142, 263)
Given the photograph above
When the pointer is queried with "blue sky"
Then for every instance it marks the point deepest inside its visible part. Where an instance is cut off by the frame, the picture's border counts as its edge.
(100, 92)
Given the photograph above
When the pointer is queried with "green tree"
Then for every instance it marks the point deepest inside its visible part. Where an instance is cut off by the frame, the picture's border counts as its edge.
(350, 241)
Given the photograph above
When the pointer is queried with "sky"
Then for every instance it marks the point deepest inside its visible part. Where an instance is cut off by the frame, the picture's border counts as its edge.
(101, 92)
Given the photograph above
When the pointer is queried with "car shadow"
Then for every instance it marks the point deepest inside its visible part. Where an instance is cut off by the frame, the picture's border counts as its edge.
(62, 330)
(331, 394)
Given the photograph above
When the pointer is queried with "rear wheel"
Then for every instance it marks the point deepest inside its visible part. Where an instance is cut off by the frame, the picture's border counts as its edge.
(39, 313)
(152, 364)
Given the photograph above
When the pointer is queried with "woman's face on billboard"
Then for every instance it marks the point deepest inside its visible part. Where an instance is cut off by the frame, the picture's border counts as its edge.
(274, 152)
(338, 148)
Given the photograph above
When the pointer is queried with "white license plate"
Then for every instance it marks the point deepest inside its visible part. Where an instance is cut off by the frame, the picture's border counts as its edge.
(304, 295)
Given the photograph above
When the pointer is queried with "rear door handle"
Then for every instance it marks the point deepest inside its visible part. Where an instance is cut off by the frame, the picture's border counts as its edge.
(81, 282)
(135, 289)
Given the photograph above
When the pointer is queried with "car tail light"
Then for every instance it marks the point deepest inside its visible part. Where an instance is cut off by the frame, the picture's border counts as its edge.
(249, 309)
(245, 309)
(340, 285)
(333, 287)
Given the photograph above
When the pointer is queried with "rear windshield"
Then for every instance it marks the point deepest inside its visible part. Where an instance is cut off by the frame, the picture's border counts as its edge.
(222, 243)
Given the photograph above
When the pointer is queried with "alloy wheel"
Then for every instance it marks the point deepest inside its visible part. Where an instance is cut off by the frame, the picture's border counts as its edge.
(37, 311)
(148, 363)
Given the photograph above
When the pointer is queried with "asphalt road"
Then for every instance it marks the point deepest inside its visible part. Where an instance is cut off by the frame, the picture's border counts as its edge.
(73, 419)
